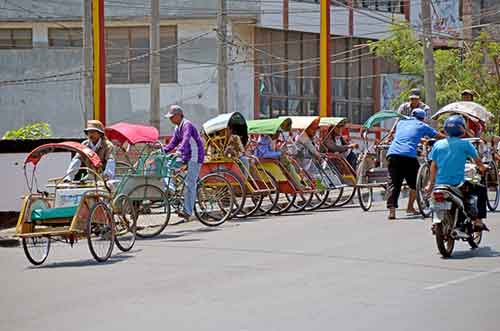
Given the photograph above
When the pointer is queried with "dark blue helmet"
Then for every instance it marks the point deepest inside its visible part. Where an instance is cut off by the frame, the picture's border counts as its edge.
(419, 113)
(454, 126)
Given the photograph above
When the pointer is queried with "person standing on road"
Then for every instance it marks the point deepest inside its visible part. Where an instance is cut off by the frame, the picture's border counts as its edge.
(402, 158)
(413, 103)
(189, 147)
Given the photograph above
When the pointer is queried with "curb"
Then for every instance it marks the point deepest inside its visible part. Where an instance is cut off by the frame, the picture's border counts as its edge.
(8, 242)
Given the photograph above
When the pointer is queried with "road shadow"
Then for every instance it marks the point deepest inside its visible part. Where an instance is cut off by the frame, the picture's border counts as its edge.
(117, 258)
(178, 234)
(486, 251)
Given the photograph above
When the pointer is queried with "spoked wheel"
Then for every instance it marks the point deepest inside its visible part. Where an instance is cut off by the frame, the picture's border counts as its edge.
(346, 195)
(444, 240)
(270, 199)
(252, 205)
(215, 202)
(36, 249)
(100, 232)
(152, 208)
(284, 204)
(317, 200)
(423, 198)
(492, 186)
(240, 192)
(302, 200)
(125, 223)
(365, 197)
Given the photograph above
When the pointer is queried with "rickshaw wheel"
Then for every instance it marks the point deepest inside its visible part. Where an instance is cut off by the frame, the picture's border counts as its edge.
(36, 249)
(423, 200)
(493, 196)
(349, 196)
(317, 200)
(365, 198)
(152, 208)
(288, 201)
(100, 232)
(271, 197)
(125, 219)
(302, 200)
(215, 200)
(240, 193)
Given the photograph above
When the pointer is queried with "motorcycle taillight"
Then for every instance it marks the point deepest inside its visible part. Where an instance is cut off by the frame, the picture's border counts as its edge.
(438, 196)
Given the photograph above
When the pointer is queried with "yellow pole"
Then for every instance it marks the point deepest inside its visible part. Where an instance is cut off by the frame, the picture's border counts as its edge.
(325, 93)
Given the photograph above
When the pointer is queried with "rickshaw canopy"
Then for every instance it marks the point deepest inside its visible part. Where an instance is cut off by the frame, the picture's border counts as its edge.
(87, 155)
(132, 133)
(302, 122)
(380, 117)
(267, 126)
(467, 108)
(332, 121)
(234, 121)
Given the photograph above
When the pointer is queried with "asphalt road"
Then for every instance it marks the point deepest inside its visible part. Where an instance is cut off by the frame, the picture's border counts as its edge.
(327, 270)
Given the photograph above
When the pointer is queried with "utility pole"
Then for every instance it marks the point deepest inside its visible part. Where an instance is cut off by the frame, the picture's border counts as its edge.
(222, 56)
(429, 78)
(154, 64)
(87, 60)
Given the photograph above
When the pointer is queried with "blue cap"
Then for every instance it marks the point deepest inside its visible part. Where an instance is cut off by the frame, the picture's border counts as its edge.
(419, 113)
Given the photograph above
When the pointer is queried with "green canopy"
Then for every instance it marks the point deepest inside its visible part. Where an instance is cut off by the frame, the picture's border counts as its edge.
(266, 126)
(380, 117)
(332, 121)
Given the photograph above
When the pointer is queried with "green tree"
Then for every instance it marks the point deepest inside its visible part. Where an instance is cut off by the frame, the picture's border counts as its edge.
(31, 131)
(456, 69)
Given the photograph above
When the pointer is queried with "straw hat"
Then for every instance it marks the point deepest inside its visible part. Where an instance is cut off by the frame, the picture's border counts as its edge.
(94, 125)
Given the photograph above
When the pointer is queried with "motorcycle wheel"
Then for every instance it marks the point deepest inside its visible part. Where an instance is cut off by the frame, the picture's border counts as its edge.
(444, 241)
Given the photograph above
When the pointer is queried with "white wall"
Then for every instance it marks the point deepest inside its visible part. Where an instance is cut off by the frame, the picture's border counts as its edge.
(13, 180)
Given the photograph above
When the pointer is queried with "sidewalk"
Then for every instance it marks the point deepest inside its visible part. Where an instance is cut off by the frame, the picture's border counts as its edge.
(7, 238)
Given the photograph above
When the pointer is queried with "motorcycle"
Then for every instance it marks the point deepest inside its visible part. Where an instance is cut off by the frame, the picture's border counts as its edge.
(450, 219)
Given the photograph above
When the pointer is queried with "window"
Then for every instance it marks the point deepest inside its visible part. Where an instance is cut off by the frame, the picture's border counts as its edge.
(70, 37)
(128, 55)
(288, 65)
(16, 38)
(390, 6)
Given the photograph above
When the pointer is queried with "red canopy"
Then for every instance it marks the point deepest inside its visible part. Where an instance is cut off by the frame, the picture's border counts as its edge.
(87, 155)
(132, 133)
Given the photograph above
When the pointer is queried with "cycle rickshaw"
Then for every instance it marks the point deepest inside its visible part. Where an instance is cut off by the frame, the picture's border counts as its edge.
(131, 141)
(323, 174)
(295, 186)
(81, 209)
(345, 172)
(256, 190)
(372, 171)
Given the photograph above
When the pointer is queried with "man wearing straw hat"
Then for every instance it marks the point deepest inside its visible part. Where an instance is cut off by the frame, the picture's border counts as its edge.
(97, 141)
(187, 141)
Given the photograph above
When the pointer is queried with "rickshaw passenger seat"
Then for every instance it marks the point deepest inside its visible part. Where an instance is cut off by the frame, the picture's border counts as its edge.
(53, 213)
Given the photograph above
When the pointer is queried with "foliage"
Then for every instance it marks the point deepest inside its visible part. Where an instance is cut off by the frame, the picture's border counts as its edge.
(471, 67)
(31, 131)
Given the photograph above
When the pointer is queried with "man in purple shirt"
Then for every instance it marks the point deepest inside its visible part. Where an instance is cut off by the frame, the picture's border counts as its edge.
(189, 147)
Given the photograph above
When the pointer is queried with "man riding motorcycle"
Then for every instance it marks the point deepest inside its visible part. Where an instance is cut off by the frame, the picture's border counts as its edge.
(448, 158)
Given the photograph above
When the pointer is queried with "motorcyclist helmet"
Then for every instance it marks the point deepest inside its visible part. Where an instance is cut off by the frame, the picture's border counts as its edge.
(454, 126)
(419, 113)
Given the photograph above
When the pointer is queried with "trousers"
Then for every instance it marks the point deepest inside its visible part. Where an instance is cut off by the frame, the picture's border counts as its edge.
(190, 186)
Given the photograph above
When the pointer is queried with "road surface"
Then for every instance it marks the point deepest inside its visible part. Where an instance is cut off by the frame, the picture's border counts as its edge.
(339, 269)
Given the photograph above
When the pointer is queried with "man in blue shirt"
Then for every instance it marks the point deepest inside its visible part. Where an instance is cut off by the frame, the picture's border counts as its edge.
(448, 165)
(402, 157)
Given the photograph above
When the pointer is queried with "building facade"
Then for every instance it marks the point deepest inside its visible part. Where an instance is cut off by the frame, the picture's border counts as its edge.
(273, 64)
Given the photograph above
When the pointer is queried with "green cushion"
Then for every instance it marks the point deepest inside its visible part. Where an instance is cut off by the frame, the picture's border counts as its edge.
(53, 213)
